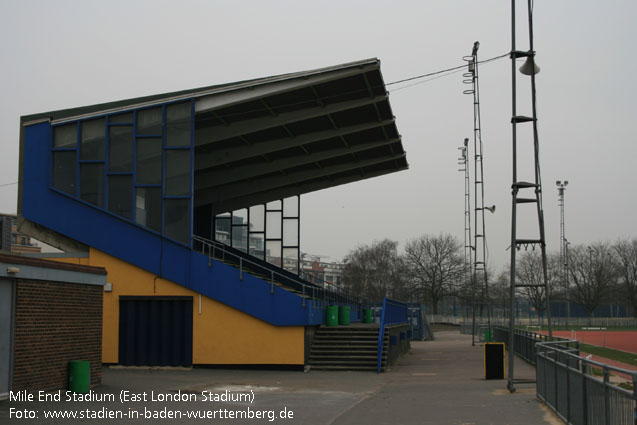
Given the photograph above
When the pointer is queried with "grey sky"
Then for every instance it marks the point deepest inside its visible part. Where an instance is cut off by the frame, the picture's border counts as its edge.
(72, 53)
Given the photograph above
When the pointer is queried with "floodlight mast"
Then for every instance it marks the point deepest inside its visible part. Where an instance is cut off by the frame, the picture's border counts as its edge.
(529, 68)
(468, 248)
(480, 245)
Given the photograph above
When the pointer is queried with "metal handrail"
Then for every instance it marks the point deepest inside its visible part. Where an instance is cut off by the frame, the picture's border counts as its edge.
(308, 290)
(393, 312)
(564, 355)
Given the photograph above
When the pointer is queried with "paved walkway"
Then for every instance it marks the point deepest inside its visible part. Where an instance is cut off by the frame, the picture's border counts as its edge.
(438, 382)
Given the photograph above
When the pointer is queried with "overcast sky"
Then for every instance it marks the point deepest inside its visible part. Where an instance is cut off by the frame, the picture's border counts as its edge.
(60, 54)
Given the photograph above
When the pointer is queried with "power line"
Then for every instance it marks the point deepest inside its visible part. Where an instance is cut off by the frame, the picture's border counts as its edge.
(445, 70)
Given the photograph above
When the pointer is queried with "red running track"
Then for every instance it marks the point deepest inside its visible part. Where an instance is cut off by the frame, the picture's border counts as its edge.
(619, 340)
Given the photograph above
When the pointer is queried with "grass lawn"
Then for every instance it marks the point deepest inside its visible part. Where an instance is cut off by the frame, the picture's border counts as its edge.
(609, 353)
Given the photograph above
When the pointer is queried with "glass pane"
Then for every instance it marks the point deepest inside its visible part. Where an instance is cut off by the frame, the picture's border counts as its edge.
(92, 183)
(177, 219)
(126, 118)
(64, 171)
(120, 191)
(222, 228)
(149, 121)
(65, 136)
(274, 205)
(273, 225)
(148, 207)
(148, 166)
(240, 238)
(177, 172)
(290, 232)
(257, 218)
(291, 207)
(93, 139)
(240, 216)
(291, 260)
(178, 124)
(273, 252)
(120, 149)
(256, 245)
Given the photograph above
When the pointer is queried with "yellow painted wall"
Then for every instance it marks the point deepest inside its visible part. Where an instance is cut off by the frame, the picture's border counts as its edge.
(221, 334)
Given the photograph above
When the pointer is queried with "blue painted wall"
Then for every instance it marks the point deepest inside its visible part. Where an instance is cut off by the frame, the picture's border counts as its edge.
(149, 251)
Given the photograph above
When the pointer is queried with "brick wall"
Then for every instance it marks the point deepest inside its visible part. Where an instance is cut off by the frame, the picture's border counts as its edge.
(55, 323)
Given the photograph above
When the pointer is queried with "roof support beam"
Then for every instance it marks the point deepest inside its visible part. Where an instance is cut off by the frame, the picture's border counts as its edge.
(248, 187)
(205, 160)
(218, 177)
(207, 135)
(285, 192)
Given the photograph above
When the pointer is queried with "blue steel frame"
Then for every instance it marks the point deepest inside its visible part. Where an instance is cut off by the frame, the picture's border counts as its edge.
(393, 312)
(133, 173)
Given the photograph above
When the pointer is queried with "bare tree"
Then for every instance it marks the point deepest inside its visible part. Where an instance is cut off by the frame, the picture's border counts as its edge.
(434, 266)
(529, 271)
(626, 254)
(592, 274)
(374, 271)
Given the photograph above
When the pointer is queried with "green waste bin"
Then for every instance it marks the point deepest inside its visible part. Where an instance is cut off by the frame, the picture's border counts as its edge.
(368, 315)
(79, 376)
(343, 315)
(487, 336)
(331, 315)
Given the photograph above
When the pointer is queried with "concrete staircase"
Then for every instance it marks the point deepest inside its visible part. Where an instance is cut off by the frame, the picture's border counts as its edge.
(352, 347)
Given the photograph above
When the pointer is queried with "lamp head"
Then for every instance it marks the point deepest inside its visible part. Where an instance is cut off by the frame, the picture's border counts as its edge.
(529, 67)
(490, 209)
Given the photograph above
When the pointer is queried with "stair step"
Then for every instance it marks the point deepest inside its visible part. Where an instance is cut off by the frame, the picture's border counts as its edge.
(334, 367)
(341, 358)
(343, 362)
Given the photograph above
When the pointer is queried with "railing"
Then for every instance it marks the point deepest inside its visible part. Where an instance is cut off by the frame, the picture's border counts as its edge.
(578, 389)
(568, 384)
(393, 312)
(273, 274)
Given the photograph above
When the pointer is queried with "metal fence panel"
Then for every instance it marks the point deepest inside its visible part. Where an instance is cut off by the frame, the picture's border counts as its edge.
(621, 408)
(561, 389)
(550, 383)
(576, 398)
(595, 402)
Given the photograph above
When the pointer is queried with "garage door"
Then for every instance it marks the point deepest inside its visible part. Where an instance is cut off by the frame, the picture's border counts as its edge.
(155, 331)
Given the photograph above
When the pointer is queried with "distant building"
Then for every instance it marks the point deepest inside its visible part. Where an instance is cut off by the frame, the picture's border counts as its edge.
(323, 273)
(13, 241)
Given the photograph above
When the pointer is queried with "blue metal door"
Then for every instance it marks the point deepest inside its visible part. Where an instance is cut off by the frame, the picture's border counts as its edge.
(155, 331)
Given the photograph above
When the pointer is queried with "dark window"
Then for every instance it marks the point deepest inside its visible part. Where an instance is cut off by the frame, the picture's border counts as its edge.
(149, 121)
(120, 149)
(177, 173)
(65, 136)
(92, 183)
(64, 171)
(178, 124)
(148, 207)
(148, 167)
(177, 219)
(120, 189)
(93, 137)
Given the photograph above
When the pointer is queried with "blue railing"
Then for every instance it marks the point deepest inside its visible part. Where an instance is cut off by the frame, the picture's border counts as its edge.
(393, 312)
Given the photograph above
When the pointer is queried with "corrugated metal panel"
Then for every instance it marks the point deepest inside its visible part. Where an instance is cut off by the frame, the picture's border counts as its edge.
(155, 331)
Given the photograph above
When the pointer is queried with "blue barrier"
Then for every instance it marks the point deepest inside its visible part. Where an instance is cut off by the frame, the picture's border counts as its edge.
(393, 312)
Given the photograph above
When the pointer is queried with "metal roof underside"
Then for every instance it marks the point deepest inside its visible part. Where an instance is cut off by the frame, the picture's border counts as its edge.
(293, 136)
(266, 139)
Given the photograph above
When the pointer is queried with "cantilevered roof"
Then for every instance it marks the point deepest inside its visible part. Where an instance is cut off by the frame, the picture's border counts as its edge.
(270, 138)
